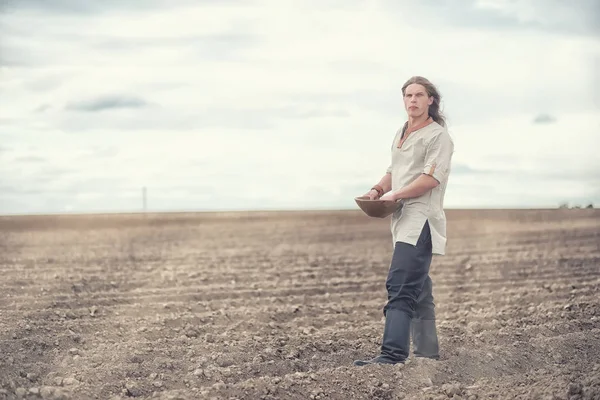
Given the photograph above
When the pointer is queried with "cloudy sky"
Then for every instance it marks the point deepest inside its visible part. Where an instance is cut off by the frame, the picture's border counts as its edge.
(216, 105)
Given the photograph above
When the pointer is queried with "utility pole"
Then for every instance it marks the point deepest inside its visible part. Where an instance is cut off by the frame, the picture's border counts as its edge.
(144, 198)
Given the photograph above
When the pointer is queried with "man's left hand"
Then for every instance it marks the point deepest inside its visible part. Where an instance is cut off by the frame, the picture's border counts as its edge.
(390, 196)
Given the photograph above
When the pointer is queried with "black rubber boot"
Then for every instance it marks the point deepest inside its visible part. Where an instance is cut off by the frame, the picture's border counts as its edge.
(396, 339)
(424, 338)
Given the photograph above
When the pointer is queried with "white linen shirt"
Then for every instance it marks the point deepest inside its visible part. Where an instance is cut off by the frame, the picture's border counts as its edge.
(427, 149)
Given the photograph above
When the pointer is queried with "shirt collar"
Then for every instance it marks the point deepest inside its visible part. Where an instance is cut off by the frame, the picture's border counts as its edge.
(413, 129)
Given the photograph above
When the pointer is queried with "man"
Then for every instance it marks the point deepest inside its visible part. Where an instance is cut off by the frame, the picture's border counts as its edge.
(418, 175)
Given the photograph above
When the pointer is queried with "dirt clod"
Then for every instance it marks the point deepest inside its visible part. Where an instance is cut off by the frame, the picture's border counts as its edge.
(133, 389)
(452, 389)
(70, 381)
(575, 388)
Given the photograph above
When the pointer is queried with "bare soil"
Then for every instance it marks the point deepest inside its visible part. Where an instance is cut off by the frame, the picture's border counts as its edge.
(277, 305)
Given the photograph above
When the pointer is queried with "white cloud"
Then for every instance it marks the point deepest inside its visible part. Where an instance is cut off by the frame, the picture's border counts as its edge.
(285, 104)
(565, 145)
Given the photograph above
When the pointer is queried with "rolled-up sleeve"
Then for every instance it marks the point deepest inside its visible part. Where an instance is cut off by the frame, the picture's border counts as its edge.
(438, 157)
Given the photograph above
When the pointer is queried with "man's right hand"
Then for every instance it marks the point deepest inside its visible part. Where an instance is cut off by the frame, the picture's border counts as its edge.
(372, 194)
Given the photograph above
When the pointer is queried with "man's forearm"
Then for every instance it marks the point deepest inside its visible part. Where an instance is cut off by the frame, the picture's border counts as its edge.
(416, 188)
(386, 183)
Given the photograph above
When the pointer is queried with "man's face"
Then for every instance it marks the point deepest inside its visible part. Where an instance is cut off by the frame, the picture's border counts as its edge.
(416, 101)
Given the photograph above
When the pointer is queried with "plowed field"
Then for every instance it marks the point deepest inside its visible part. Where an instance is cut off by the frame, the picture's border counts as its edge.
(278, 305)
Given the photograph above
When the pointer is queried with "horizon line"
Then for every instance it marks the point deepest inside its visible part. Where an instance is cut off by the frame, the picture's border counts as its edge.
(274, 210)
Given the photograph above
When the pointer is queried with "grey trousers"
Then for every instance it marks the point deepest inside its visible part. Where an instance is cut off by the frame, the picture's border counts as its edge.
(408, 276)
(410, 289)
(425, 306)
(423, 327)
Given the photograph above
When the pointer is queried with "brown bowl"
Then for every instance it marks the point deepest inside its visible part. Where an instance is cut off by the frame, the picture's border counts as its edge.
(377, 208)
